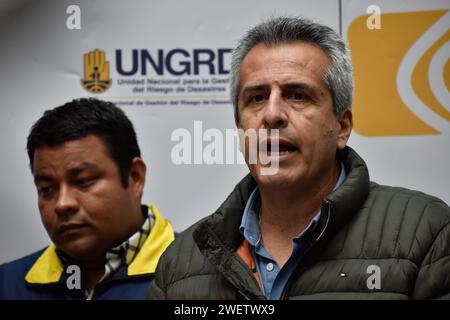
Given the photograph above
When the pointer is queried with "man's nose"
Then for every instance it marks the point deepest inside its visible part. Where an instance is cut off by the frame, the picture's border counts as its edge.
(67, 202)
(275, 116)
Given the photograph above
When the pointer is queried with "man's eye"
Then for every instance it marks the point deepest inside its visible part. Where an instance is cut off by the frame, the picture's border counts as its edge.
(258, 98)
(298, 96)
(44, 191)
(84, 183)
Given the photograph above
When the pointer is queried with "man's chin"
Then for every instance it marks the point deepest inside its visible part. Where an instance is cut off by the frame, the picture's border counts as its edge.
(278, 178)
(81, 251)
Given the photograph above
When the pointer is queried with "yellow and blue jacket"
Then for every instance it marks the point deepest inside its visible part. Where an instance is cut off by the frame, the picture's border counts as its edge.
(42, 276)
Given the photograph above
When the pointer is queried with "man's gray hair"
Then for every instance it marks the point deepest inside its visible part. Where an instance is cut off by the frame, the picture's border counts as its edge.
(338, 78)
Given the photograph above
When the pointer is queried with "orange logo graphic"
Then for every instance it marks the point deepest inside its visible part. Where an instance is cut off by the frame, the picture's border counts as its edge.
(402, 74)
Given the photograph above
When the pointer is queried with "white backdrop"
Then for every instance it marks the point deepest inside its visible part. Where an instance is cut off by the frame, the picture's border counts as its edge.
(41, 63)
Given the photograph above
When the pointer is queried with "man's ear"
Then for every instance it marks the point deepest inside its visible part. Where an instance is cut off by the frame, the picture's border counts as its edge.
(345, 128)
(136, 177)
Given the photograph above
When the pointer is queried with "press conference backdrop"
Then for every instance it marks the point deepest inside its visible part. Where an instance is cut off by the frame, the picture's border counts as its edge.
(166, 64)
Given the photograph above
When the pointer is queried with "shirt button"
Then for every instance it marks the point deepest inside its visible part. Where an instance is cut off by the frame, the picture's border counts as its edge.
(269, 266)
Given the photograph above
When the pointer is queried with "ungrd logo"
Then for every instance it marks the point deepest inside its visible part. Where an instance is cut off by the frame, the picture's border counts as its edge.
(402, 74)
(96, 72)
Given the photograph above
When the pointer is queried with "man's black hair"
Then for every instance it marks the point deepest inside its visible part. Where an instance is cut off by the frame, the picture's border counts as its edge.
(82, 117)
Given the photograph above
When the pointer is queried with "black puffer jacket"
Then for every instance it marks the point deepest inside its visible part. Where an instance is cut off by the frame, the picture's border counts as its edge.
(405, 233)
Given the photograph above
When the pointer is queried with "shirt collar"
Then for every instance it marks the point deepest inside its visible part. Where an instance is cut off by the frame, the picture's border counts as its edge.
(249, 227)
(125, 252)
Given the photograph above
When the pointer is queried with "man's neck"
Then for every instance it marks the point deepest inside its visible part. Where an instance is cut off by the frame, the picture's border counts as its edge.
(286, 213)
(94, 269)
(92, 272)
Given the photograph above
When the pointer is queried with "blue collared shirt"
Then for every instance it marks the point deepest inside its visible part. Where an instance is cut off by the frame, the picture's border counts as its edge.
(273, 279)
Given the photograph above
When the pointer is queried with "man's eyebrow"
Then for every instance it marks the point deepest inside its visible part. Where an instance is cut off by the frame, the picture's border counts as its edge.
(42, 178)
(256, 88)
(82, 167)
(290, 86)
(302, 86)
(71, 172)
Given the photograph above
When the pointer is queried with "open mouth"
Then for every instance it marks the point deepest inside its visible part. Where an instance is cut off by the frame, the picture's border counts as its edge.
(278, 147)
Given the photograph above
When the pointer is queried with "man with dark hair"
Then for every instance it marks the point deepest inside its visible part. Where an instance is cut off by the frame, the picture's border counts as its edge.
(317, 228)
(90, 177)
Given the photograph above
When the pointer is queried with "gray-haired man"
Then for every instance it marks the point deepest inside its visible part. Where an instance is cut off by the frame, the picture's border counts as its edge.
(318, 228)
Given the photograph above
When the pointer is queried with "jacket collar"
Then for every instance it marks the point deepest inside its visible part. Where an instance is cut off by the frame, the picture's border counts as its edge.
(219, 234)
(341, 205)
(350, 196)
(160, 237)
(218, 238)
(48, 268)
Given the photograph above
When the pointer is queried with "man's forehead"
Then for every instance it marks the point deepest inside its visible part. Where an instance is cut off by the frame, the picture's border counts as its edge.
(71, 168)
(82, 153)
(298, 52)
(288, 61)
(286, 46)
(90, 144)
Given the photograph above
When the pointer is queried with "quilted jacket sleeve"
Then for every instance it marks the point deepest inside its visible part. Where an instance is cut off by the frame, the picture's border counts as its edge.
(433, 280)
